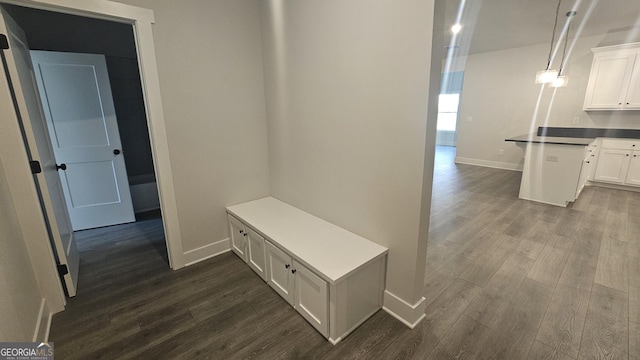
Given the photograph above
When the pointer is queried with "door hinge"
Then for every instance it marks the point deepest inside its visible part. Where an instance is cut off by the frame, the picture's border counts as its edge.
(63, 269)
(4, 42)
(35, 167)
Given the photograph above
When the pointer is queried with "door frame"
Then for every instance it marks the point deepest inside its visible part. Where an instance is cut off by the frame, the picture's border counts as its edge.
(141, 19)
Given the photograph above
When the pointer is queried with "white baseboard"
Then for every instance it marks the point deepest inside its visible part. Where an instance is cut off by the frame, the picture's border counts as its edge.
(208, 251)
(41, 332)
(491, 164)
(613, 186)
(408, 314)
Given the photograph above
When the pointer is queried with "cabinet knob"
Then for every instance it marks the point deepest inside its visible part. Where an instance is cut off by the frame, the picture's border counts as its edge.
(293, 271)
(245, 234)
(635, 155)
(627, 154)
(241, 231)
(287, 266)
(634, 145)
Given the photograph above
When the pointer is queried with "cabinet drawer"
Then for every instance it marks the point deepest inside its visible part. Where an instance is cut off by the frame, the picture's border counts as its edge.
(621, 144)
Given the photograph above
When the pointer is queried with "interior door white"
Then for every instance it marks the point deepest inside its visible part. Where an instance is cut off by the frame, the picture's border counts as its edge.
(18, 65)
(76, 97)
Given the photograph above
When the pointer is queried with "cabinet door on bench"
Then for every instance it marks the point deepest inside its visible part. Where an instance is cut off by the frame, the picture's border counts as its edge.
(256, 253)
(238, 237)
(311, 298)
(279, 275)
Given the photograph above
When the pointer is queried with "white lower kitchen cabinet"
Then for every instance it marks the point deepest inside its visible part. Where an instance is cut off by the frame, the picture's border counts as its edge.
(256, 256)
(633, 174)
(334, 279)
(619, 162)
(612, 166)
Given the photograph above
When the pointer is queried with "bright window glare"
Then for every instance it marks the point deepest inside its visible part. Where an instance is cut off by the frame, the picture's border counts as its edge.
(448, 111)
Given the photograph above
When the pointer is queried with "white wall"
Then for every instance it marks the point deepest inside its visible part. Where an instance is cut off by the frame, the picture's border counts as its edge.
(19, 295)
(347, 87)
(209, 57)
(500, 96)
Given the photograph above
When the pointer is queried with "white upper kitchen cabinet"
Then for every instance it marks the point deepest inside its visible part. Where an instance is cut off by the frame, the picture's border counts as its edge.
(614, 81)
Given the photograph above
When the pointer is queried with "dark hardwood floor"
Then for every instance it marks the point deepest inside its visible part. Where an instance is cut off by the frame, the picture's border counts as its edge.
(505, 279)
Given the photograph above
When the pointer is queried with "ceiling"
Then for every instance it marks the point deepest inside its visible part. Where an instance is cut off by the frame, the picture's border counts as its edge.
(490, 25)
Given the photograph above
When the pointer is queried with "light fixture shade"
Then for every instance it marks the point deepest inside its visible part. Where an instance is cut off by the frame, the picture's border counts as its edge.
(560, 81)
(546, 76)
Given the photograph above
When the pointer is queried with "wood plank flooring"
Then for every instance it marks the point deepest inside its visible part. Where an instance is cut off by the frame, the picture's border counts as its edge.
(505, 279)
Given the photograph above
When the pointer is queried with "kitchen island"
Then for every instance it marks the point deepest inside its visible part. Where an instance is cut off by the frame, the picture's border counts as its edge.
(553, 168)
(559, 162)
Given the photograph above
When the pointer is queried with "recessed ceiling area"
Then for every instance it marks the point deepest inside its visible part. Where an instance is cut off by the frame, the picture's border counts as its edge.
(492, 25)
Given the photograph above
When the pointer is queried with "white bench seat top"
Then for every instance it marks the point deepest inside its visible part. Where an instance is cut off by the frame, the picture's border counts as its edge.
(329, 249)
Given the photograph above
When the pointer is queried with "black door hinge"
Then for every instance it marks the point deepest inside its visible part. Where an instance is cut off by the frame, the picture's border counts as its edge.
(35, 167)
(4, 42)
(63, 269)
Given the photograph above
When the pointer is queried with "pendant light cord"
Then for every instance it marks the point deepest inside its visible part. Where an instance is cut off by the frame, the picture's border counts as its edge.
(570, 14)
(553, 35)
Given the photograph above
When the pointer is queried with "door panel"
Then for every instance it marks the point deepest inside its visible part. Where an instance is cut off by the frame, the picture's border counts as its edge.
(238, 240)
(612, 166)
(633, 175)
(279, 272)
(311, 299)
(80, 116)
(255, 251)
(39, 148)
(633, 95)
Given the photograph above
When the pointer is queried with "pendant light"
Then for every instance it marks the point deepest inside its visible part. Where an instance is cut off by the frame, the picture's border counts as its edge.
(563, 80)
(548, 75)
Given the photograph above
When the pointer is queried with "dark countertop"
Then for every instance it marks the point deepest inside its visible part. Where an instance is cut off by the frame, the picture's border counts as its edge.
(588, 132)
(531, 138)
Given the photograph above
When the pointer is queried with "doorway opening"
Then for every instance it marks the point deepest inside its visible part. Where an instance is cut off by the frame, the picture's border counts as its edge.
(51, 31)
(448, 106)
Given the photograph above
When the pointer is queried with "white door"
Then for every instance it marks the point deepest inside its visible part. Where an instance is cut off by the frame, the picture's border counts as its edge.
(76, 96)
(238, 238)
(279, 272)
(18, 64)
(311, 299)
(255, 253)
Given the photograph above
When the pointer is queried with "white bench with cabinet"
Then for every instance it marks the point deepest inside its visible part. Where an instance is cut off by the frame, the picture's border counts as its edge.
(332, 277)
